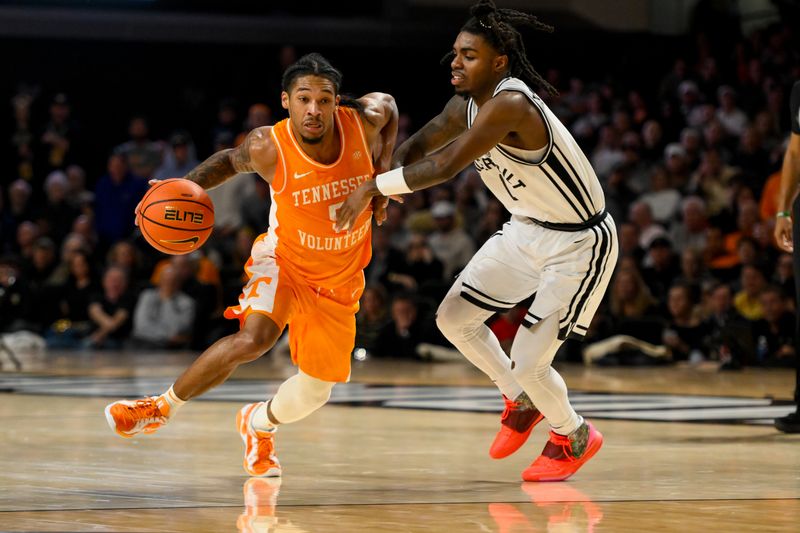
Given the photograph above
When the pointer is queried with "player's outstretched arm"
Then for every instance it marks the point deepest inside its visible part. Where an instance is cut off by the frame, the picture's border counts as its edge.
(253, 155)
(438, 132)
(380, 122)
(381, 119)
(495, 120)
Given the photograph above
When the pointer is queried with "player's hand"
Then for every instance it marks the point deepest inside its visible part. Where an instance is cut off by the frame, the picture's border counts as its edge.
(783, 234)
(139, 205)
(352, 207)
(379, 204)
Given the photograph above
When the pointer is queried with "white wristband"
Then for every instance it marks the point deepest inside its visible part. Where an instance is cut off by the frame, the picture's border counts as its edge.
(392, 182)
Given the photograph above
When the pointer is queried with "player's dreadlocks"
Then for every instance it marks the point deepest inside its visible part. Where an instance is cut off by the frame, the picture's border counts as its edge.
(497, 26)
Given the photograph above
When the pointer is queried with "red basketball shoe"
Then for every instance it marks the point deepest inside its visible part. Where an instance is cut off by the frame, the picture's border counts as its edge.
(519, 418)
(564, 455)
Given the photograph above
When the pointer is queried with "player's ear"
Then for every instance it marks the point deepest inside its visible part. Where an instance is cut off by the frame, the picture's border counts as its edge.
(338, 100)
(285, 100)
(500, 63)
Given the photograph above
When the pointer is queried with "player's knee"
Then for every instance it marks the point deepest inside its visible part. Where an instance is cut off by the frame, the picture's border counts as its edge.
(315, 391)
(528, 368)
(446, 320)
(251, 345)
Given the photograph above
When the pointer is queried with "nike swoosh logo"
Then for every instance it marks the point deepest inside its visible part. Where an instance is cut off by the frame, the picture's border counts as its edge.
(298, 176)
(190, 240)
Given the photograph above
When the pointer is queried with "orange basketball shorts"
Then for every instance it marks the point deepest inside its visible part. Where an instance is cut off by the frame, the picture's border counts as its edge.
(322, 324)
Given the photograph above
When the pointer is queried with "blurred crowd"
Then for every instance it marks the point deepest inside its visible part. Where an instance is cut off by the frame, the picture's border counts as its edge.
(690, 168)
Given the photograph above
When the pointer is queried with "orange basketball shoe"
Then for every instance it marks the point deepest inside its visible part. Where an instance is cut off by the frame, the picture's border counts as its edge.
(128, 418)
(564, 455)
(259, 446)
(517, 421)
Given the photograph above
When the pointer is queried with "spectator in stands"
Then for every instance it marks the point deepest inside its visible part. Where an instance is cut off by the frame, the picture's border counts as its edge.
(19, 201)
(662, 268)
(419, 272)
(641, 215)
(732, 119)
(72, 323)
(752, 158)
(125, 255)
(226, 126)
(683, 333)
(142, 155)
(22, 137)
(784, 277)
(258, 115)
(405, 331)
(229, 199)
(27, 233)
(607, 152)
(774, 333)
(179, 159)
(629, 243)
(729, 338)
(748, 300)
(78, 197)
(663, 199)
(117, 194)
(110, 311)
(652, 142)
(56, 216)
(73, 243)
(692, 143)
(372, 317)
(690, 230)
(385, 258)
(60, 140)
(676, 162)
(450, 244)
(164, 316)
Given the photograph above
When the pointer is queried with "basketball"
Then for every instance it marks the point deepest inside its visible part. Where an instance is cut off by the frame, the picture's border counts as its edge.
(176, 216)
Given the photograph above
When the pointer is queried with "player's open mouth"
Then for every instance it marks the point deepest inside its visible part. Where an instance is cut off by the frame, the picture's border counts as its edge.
(312, 126)
(456, 78)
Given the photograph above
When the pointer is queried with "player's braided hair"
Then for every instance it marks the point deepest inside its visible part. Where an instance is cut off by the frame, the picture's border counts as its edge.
(316, 65)
(497, 26)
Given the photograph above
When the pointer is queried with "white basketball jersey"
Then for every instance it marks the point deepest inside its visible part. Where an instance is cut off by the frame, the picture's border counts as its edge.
(560, 188)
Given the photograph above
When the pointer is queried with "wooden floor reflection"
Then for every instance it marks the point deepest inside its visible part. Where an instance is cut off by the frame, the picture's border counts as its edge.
(354, 469)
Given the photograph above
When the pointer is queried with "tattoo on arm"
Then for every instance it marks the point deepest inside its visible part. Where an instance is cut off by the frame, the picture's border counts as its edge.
(221, 166)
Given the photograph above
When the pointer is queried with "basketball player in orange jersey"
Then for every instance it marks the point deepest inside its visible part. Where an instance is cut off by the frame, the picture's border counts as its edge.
(559, 246)
(302, 272)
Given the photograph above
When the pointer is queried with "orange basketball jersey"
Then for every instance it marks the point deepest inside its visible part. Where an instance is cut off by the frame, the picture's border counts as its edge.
(305, 197)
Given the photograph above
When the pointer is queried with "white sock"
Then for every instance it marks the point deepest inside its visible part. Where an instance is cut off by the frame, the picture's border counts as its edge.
(172, 401)
(259, 420)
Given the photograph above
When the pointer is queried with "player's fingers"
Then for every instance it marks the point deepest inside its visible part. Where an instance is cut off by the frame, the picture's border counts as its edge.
(397, 198)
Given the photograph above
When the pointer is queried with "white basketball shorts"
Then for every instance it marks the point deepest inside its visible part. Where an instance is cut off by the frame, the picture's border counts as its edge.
(567, 272)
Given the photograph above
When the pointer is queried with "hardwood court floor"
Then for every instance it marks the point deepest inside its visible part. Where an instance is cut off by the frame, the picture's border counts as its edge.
(355, 468)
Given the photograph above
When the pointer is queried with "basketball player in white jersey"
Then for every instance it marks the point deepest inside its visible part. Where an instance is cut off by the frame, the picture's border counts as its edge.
(560, 244)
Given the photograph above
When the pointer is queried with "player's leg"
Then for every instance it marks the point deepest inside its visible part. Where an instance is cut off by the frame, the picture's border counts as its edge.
(567, 298)
(321, 339)
(297, 397)
(486, 286)
(213, 367)
(573, 441)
